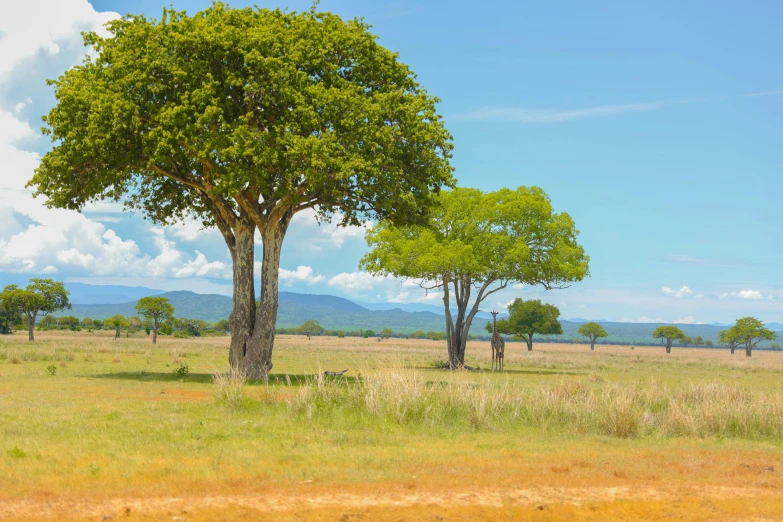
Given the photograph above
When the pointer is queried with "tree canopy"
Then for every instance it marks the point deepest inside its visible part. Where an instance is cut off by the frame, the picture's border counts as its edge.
(477, 243)
(118, 322)
(729, 338)
(667, 335)
(158, 310)
(41, 295)
(750, 331)
(311, 327)
(592, 331)
(527, 318)
(242, 118)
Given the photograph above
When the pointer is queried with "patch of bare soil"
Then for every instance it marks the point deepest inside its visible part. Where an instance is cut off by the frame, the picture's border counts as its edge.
(547, 503)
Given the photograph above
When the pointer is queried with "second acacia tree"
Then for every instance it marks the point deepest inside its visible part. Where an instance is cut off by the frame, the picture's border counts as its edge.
(478, 243)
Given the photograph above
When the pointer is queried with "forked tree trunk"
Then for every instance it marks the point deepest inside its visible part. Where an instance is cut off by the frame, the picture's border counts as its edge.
(253, 326)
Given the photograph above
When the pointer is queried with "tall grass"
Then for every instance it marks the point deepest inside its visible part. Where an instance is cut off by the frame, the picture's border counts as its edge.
(404, 396)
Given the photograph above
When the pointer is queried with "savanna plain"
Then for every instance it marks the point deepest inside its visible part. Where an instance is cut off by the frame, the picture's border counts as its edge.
(97, 429)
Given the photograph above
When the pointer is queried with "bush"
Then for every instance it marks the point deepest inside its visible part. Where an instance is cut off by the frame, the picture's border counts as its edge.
(182, 371)
(182, 334)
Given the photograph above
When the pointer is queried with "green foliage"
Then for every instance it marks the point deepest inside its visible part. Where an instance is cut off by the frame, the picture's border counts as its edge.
(16, 453)
(51, 369)
(669, 334)
(478, 243)
(157, 309)
(386, 333)
(182, 371)
(68, 321)
(750, 331)
(299, 110)
(117, 322)
(592, 331)
(41, 295)
(87, 323)
(166, 328)
(181, 334)
(310, 328)
(527, 318)
(222, 326)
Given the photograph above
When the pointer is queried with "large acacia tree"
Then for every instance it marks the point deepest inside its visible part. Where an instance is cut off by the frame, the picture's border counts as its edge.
(244, 117)
(41, 295)
(478, 243)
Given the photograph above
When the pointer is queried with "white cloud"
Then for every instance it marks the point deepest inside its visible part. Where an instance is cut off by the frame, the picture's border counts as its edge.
(750, 295)
(39, 25)
(201, 267)
(353, 282)
(302, 274)
(644, 319)
(684, 291)
(686, 320)
(191, 229)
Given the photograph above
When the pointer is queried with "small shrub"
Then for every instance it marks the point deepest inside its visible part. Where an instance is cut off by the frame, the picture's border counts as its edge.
(16, 453)
(181, 334)
(51, 369)
(182, 371)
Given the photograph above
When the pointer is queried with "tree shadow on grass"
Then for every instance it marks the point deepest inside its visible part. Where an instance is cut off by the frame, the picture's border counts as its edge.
(206, 378)
(519, 371)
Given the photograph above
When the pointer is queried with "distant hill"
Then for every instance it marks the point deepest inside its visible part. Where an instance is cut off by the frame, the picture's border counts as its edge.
(336, 313)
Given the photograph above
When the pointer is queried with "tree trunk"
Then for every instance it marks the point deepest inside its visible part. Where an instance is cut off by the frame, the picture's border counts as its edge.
(748, 349)
(253, 327)
(592, 345)
(669, 347)
(155, 332)
(732, 350)
(529, 342)
(30, 328)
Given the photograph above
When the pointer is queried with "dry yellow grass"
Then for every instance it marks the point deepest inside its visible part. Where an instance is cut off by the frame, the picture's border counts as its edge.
(101, 436)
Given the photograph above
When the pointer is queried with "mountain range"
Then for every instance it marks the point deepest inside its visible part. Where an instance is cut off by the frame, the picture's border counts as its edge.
(337, 313)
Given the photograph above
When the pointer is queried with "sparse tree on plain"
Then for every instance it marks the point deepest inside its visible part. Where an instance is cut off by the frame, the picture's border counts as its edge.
(728, 338)
(526, 318)
(118, 322)
(156, 309)
(41, 295)
(243, 118)
(87, 323)
(668, 335)
(476, 244)
(592, 331)
(751, 332)
(386, 333)
(310, 327)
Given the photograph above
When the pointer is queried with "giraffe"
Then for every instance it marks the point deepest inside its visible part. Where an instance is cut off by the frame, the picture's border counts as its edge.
(498, 344)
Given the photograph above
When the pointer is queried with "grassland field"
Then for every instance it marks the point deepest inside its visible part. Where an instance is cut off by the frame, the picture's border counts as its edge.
(92, 429)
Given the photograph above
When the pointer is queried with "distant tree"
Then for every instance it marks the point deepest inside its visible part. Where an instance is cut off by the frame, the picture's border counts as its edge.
(41, 295)
(728, 338)
(68, 321)
(190, 327)
(222, 326)
(526, 318)
(685, 341)
(166, 328)
(478, 243)
(418, 334)
(436, 336)
(340, 334)
(368, 333)
(592, 331)
(708, 343)
(118, 322)
(386, 333)
(751, 331)
(697, 341)
(97, 324)
(668, 335)
(775, 346)
(310, 327)
(48, 321)
(134, 323)
(9, 316)
(87, 323)
(157, 310)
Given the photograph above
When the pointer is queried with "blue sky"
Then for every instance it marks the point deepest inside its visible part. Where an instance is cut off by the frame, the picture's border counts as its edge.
(657, 127)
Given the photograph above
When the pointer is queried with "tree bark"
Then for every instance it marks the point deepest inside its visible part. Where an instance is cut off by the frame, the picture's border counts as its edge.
(155, 332)
(592, 344)
(748, 349)
(253, 326)
(30, 327)
(529, 342)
